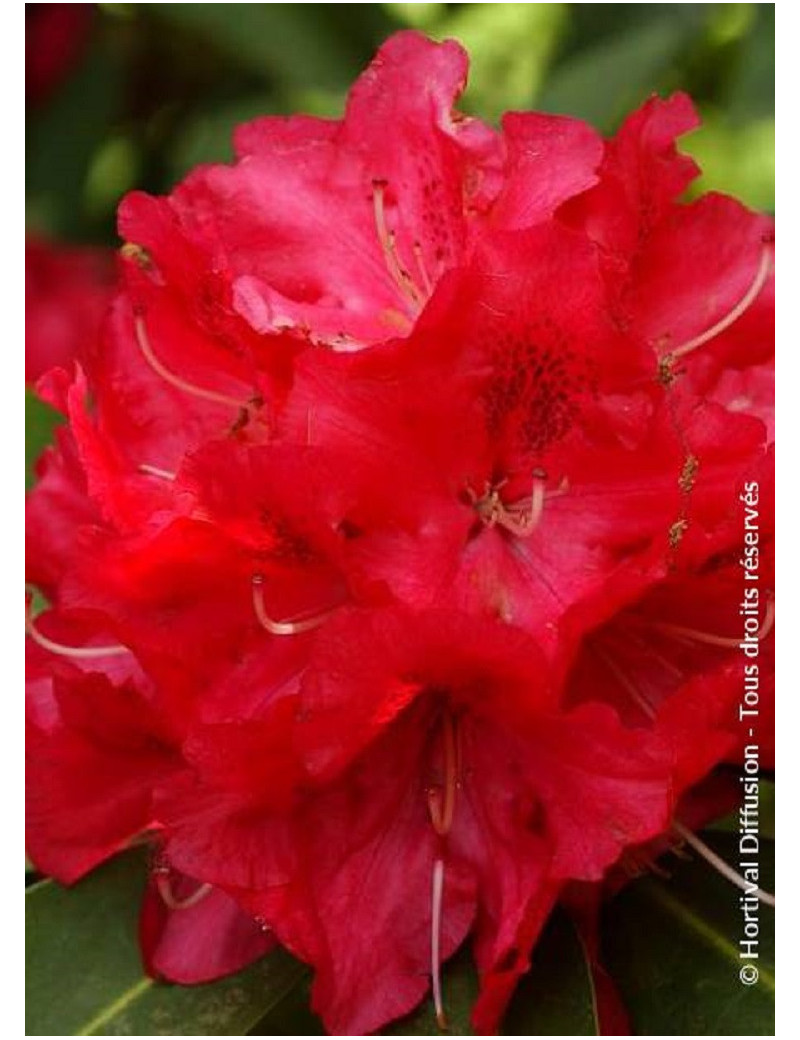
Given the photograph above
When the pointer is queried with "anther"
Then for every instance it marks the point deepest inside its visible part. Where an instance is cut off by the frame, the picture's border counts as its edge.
(521, 518)
(137, 253)
(77, 652)
(282, 628)
(143, 340)
(761, 275)
(437, 894)
(686, 480)
(719, 864)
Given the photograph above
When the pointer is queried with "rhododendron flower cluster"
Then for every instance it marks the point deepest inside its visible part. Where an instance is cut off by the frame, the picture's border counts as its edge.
(392, 543)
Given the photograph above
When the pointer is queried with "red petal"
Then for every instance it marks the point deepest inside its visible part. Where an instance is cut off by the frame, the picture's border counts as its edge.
(213, 938)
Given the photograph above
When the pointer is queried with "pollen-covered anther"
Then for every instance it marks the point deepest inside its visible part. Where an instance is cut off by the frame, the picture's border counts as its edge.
(137, 253)
(400, 275)
(76, 652)
(757, 284)
(677, 531)
(686, 480)
(283, 628)
(520, 518)
(205, 394)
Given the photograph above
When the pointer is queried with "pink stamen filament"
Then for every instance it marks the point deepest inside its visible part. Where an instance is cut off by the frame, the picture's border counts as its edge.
(164, 886)
(400, 276)
(719, 864)
(735, 313)
(77, 652)
(156, 471)
(437, 893)
(170, 377)
(635, 694)
(283, 628)
(729, 642)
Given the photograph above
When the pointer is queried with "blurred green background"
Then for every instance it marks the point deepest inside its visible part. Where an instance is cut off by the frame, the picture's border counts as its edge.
(153, 89)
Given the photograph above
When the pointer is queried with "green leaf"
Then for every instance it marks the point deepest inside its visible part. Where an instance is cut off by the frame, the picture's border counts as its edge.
(419, 16)
(556, 997)
(291, 1016)
(752, 91)
(766, 814)
(208, 136)
(459, 990)
(84, 973)
(510, 48)
(736, 159)
(40, 421)
(62, 142)
(285, 42)
(604, 81)
(672, 947)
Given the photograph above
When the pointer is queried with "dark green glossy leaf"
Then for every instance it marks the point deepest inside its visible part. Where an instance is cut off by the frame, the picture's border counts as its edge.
(672, 947)
(766, 814)
(84, 974)
(291, 1016)
(40, 421)
(556, 997)
(459, 990)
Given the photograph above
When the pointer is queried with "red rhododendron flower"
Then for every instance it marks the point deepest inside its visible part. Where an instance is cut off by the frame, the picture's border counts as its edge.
(392, 541)
(55, 37)
(67, 290)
